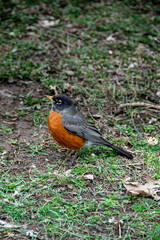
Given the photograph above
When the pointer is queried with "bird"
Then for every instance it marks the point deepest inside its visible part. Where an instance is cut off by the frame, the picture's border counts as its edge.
(68, 126)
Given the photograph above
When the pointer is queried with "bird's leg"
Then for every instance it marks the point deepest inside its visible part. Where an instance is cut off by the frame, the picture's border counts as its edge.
(74, 157)
(68, 154)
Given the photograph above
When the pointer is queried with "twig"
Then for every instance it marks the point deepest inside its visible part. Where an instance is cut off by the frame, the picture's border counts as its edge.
(63, 32)
(124, 165)
(120, 230)
(140, 104)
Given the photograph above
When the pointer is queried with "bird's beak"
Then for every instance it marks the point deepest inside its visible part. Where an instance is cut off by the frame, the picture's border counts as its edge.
(50, 98)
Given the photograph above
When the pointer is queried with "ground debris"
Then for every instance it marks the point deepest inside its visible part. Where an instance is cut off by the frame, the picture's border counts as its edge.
(26, 231)
(150, 189)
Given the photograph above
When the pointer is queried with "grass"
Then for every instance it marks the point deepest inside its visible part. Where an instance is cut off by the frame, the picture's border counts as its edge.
(102, 54)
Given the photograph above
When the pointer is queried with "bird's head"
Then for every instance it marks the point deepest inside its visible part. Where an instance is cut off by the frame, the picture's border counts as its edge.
(60, 102)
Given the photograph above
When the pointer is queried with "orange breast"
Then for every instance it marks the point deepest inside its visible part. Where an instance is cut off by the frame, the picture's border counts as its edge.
(60, 134)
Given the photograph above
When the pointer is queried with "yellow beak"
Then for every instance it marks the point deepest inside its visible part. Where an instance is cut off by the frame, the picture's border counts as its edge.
(50, 98)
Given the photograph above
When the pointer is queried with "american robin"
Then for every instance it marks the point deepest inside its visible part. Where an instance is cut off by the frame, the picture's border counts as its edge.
(71, 129)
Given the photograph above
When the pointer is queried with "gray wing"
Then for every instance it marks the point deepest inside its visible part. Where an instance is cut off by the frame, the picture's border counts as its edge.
(78, 125)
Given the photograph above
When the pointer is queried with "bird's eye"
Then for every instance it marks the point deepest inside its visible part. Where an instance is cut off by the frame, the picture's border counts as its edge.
(59, 102)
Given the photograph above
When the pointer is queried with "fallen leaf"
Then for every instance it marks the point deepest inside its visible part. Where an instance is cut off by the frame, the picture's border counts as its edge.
(152, 140)
(150, 189)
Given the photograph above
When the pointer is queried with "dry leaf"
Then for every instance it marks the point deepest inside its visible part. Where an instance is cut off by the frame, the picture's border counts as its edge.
(152, 140)
(150, 189)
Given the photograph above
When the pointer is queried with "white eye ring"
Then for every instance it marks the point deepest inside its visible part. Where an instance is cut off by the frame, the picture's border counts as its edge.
(59, 102)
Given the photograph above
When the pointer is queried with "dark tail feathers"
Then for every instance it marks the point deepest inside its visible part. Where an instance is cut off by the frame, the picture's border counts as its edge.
(120, 150)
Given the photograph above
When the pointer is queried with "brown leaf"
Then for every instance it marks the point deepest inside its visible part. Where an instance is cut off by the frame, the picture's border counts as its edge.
(150, 189)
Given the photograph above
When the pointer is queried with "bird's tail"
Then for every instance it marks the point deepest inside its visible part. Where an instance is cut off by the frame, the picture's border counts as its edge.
(120, 150)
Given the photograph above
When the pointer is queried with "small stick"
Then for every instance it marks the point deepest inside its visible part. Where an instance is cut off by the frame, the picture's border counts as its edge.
(139, 104)
(63, 32)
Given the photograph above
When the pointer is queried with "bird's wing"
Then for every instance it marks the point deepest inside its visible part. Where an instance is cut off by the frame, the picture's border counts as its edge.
(78, 125)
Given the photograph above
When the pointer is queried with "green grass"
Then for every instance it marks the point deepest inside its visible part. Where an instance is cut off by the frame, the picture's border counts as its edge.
(76, 57)
(57, 210)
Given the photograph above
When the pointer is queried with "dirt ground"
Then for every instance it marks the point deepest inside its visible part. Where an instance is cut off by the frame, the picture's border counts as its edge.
(23, 127)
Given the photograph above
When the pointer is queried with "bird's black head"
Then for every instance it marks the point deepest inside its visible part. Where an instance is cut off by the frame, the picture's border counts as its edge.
(60, 102)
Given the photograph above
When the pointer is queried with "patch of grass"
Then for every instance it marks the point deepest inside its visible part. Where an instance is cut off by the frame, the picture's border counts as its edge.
(62, 210)
(39, 117)
(36, 149)
(5, 129)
